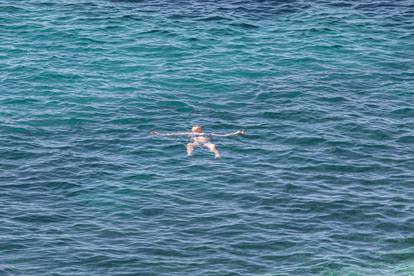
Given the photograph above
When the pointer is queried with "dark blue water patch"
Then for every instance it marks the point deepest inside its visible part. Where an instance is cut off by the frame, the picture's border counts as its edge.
(215, 18)
(320, 185)
(384, 4)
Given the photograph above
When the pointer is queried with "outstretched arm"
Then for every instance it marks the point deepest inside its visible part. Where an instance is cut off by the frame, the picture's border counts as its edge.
(239, 132)
(156, 133)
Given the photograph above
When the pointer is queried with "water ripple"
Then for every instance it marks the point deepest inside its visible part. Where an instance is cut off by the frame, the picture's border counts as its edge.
(321, 185)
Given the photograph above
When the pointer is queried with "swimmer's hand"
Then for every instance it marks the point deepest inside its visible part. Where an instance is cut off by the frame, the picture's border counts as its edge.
(240, 132)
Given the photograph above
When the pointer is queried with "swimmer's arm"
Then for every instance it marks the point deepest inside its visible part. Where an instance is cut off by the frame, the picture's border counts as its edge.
(239, 132)
(156, 133)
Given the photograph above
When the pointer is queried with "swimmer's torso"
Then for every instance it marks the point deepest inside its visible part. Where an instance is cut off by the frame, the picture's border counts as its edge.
(200, 137)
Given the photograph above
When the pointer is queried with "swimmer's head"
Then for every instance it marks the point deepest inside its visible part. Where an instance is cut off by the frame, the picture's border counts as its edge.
(197, 128)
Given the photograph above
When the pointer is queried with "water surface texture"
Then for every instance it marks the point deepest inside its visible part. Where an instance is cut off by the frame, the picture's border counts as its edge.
(322, 184)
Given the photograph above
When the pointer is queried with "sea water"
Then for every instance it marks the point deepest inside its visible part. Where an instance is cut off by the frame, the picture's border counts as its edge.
(321, 184)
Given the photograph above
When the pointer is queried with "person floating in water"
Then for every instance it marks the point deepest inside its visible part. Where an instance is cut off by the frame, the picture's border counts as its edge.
(199, 139)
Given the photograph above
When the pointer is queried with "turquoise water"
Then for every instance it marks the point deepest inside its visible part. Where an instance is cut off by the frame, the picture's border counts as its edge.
(322, 184)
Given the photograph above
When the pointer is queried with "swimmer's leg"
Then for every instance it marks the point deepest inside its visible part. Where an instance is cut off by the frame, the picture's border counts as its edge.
(190, 148)
(213, 149)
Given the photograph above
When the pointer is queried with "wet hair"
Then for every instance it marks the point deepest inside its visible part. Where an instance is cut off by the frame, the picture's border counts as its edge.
(197, 126)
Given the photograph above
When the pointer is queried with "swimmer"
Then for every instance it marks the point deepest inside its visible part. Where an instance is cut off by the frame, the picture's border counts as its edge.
(200, 139)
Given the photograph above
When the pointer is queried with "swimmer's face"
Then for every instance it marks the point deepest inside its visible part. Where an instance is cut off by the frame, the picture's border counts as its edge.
(197, 129)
